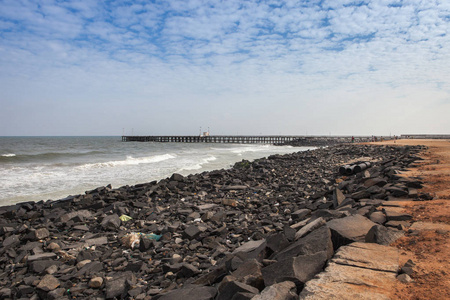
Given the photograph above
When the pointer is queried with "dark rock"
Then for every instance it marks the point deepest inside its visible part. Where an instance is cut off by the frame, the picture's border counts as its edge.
(285, 290)
(338, 197)
(192, 292)
(119, 286)
(349, 229)
(300, 214)
(298, 269)
(191, 232)
(381, 235)
(11, 241)
(277, 242)
(317, 241)
(392, 215)
(40, 256)
(228, 289)
(249, 273)
(111, 222)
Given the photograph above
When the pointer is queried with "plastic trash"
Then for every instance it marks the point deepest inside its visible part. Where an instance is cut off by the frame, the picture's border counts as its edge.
(132, 239)
(125, 218)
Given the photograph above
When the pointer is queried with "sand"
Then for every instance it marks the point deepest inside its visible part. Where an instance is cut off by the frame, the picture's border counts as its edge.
(430, 248)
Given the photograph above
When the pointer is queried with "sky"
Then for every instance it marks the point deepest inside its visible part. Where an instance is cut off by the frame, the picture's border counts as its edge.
(317, 67)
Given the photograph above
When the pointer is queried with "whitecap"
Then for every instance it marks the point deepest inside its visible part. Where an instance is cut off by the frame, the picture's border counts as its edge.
(8, 155)
(129, 161)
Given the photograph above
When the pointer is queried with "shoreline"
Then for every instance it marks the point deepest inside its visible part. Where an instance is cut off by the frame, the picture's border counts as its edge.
(209, 224)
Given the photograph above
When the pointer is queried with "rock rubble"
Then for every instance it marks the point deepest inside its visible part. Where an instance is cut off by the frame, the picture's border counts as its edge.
(259, 230)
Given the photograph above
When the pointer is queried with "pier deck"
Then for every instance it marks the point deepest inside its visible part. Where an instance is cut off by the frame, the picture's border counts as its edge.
(234, 139)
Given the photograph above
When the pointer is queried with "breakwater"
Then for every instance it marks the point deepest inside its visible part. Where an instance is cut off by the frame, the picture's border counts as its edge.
(276, 220)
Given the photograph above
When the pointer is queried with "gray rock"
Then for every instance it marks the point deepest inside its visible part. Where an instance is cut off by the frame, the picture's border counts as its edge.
(229, 289)
(309, 227)
(392, 215)
(405, 278)
(111, 222)
(349, 229)
(11, 241)
(250, 273)
(378, 217)
(285, 290)
(192, 292)
(300, 214)
(338, 197)
(48, 283)
(40, 256)
(80, 214)
(191, 232)
(298, 269)
(381, 235)
(317, 241)
(119, 286)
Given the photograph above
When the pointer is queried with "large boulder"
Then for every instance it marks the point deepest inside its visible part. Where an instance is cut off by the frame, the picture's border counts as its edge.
(349, 229)
(317, 241)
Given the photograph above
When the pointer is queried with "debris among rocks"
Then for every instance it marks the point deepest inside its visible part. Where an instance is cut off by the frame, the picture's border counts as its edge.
(261, 230)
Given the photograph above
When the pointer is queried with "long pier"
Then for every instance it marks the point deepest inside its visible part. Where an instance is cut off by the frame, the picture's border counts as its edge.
(238, 139)
(232, 139)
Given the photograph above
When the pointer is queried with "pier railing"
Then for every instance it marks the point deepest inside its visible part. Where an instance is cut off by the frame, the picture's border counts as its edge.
(238, 139)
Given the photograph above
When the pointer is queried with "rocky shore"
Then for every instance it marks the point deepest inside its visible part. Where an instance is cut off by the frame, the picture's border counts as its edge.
(260, 230)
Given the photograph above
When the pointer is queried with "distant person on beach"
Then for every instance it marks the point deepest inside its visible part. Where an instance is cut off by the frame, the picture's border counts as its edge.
(353, 139)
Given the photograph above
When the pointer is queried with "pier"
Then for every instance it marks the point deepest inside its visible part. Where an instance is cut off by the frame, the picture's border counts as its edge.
(239, 139)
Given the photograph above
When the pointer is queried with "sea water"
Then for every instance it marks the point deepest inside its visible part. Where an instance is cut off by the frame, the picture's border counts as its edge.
(42, 168)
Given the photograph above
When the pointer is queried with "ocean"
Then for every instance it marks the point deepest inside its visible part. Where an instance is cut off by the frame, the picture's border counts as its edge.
(42, 168)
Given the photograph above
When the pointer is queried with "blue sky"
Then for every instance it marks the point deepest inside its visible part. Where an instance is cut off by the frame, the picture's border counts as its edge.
(238, 67)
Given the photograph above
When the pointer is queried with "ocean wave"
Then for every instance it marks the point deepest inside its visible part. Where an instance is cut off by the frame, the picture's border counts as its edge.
(46, 156)
(199, 165)
(129, 161)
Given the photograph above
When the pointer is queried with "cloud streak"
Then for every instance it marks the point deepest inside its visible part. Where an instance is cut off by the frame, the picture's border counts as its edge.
(289, 59)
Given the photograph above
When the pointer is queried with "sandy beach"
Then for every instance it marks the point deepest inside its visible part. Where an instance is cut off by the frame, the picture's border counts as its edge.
(430, 248)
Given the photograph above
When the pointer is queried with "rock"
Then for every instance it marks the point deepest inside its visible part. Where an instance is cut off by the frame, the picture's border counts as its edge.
(277, 242)
(392, 215)
(11, 241)
(38, 234)
(119, 286)
(285, 290)
(40, 256)
(300, 214)
(229, 202)
(349, 229)
(375, 182)
(191, 232)
(338, 197)
(378, 217)
(317, 241)
(250, 273)
(371, 267)
(408, 267)
(111, 222)
(309, 227)
(48, 283)
(81, 215)
(97, 241)
(382, 235)
(369, 256)
(96, 282)
(191, 292)
(405, 278)
(228, 289)
(298, 269)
